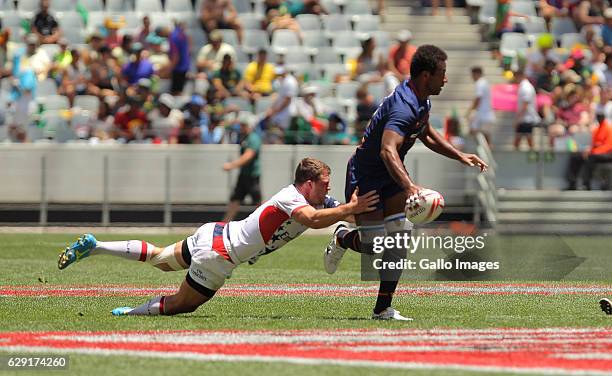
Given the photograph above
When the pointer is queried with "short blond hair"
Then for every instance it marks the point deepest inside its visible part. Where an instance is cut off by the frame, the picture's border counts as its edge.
(310, 169)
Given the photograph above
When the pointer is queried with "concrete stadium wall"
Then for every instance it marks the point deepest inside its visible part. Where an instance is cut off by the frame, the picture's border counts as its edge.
(74, 173)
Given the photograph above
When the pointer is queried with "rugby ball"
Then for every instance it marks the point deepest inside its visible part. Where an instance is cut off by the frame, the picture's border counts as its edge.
(424, 208)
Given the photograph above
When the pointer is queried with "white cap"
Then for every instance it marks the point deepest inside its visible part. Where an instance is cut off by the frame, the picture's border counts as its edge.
(167, 100)
(404, 36)
(309, 89)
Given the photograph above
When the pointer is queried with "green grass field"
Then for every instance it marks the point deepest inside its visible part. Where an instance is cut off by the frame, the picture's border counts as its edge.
(30, 260)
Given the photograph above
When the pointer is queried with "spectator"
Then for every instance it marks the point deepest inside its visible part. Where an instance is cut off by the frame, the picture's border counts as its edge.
(131, 122)
(211, 55)
(227, 81)
(35, 59)
(484, 118)
(452, 132)
(138, 68)
(194, 119)
(258, 76)
(219, 14)
(248, 163)
(95, 42)
(526, 112)
(74, 77)
(124, 52)
(279, 113)
(165, 120)
(536, 58)
(368, 61)
(158, 57)
(306, 7)
(310, 119)
(589, 12)
(436, 3)
(577, 63)
(64, 57)
(180, 58)
(144, 32)
(549, 83)
(389, 79)
(105, 74)
(606, 30)
(278, 19)
(112, 25)
(600, 152)
(550, 9)
(503, 22)
(365, 110)
(400, 54)
(212, 133)
(572, 115)
(44, 25)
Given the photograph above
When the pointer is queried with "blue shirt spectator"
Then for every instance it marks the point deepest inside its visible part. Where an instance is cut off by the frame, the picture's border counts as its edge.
(137, 69)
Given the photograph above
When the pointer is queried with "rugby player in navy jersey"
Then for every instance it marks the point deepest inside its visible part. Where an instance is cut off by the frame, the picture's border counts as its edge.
(378, 165)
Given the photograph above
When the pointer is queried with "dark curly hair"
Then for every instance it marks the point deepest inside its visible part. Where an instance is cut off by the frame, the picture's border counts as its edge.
(426, 59)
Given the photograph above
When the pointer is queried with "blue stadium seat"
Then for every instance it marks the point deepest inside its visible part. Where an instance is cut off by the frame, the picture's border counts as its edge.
(524, 7)
(230, 36)
(327, 55)
(283, 39)
(309, 22)
(254, 40)
(118, 5)
(62, 5)
(316, 39)
(512, 43)
(357, 7)
(90, 103)
(569, 40)
(160, 19)
(346, 43)
(334, 23)
(330, 6)
(347, 90)
(367, 23)
(562, 25)
(54, 102)
(296, 55)
(70, 20)
(47, 87)
(243, 6)
(28, 5)
(178, 6)
(148, 6)
(250, 21)
(93, 5)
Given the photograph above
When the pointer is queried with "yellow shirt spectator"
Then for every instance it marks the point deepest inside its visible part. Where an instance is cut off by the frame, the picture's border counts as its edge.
(259, 74)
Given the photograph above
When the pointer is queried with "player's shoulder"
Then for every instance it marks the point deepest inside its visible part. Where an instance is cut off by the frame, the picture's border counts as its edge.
(288, 194)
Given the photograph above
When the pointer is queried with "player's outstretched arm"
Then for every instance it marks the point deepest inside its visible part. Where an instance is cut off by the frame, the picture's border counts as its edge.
(321, 218)
(435, 142)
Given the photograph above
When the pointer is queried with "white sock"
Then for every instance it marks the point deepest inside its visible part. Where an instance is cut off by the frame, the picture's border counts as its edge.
(138, 250)
(153, 307)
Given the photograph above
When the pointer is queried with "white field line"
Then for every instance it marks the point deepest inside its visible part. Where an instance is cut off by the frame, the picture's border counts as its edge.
(308, 361)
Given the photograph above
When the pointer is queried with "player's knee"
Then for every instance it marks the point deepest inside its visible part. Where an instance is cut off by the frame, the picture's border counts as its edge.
(166, 259)
(370, 236)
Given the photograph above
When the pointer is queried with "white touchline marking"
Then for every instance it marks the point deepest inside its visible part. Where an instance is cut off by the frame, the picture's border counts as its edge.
(308, 361)
(591, 356)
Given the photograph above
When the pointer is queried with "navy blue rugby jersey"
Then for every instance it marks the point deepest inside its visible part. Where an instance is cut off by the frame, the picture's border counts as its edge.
(401, 112)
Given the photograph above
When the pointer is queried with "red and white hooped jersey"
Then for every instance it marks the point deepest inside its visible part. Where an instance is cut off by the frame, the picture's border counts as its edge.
(270, 226)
